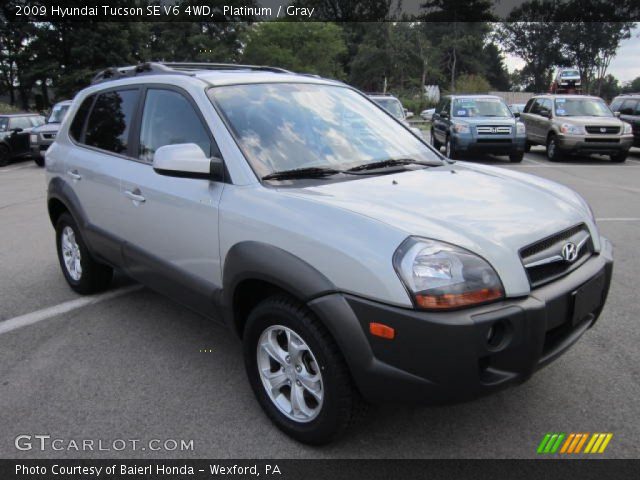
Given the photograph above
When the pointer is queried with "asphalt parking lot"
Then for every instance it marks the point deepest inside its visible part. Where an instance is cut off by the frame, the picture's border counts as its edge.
(134, 365)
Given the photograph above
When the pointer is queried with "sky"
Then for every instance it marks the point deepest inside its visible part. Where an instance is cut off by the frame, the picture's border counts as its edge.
(625, 66)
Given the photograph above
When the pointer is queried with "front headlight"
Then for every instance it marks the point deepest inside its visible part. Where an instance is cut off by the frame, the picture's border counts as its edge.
(33, 138)
(627, 129)
(520, 128)
(461, 127)
(571, 129)
(440, 276)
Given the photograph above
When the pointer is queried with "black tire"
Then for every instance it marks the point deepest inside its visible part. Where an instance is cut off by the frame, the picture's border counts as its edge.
(341, 403)
(39, 161)
(516, 157)
(554, 154)
(619, 157)
(435, 143)
(527, 146)
(4, 156)
(94, 277)
(451, 151)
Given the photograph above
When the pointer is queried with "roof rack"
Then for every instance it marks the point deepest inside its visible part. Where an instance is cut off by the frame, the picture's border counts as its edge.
(174, 68)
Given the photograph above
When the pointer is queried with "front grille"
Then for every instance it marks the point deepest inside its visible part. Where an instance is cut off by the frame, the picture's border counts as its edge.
(601, 129)
(493, 140)
(543, 260)
(494, 130)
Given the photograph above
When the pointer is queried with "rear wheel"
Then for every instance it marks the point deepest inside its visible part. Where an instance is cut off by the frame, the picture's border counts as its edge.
(619, 157)
(82, 272)
(297, 372)
(4, 156)
(553, 151)
(527, 146)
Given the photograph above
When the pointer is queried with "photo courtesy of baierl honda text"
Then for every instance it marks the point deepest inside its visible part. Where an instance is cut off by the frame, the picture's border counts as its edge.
(319, 238)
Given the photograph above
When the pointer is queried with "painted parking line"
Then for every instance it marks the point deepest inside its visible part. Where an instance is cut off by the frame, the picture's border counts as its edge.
(66, 307)
(618, 219)
(14, 169)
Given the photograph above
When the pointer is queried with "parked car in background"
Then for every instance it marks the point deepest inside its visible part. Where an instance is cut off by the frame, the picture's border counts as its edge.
(392, 105)
(575, 124)
(477, 123)
(567, 80)
(516, 108)
(627, 106)
(427, 114)
(350, 258)
(14, 135)
(44, 135)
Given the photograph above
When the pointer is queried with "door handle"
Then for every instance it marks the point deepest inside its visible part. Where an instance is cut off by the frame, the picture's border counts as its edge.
(74, 174)
(135, 195)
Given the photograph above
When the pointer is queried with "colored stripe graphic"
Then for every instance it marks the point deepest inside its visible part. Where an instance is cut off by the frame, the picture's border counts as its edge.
(572, 443)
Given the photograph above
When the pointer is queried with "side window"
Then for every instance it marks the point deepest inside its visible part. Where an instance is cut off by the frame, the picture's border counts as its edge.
(169, 118)
(75, 130)
(446, 106)
(110, 120)
(527, 107)
(628, 107)
(615, 105)
(36, 121)
(535, 108)
(19, 122)
(545, 106)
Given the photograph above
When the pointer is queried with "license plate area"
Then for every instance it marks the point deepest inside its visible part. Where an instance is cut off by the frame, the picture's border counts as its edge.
(588, 298)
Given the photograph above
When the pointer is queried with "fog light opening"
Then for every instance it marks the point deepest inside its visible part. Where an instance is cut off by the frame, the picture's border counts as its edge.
(496, 335)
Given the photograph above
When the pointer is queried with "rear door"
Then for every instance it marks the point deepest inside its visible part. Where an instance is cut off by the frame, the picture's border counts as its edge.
(171, 223)
(19, 141)
(441, 120)
(102, 130)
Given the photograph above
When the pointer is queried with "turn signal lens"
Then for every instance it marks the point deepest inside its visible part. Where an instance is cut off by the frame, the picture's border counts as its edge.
(458, 300)
(382, 331)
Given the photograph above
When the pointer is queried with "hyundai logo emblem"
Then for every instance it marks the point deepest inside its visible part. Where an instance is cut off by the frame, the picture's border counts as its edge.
(569, 252)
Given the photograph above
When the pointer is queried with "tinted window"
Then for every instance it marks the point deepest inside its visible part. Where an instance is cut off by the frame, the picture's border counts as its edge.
(168, 119)
(110, 119)
(75, 130)
(527, 107)
(615, 105)
(19, 122)
(629, 107)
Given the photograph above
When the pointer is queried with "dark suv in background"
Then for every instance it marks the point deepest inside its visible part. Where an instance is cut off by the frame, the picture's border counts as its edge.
(14, 135)
(627, 107)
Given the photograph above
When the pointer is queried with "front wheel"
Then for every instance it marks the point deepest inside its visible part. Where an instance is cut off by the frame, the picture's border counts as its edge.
(553, 151)
(527, 146)
(82, 272)
(297, 372)
(450, 149)
(516, 157)
(4, 156)
(619, 157)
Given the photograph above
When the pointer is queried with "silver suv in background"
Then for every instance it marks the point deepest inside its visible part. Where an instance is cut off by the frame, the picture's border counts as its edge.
(575, 124)
(41, 137)
(355, 263)
(392, 105)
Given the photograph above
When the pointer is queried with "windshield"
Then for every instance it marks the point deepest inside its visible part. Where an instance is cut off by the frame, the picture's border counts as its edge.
(4, 123)
(285, 126)
(58, 113)
(581, 107)
(570, 73)
(391, 105)
(480, 107)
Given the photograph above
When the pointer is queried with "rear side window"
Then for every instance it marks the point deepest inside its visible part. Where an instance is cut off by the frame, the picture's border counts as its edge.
(169, 118)
(110, 120)
(629, 107)
(75, 130)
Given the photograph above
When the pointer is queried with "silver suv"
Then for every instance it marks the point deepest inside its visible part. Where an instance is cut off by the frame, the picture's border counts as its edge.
(355, 262)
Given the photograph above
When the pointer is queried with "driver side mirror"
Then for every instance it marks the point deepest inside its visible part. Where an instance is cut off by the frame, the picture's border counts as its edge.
(408, 115)
(617, 114)
(187, 160)
(16, 130)
(516, 114)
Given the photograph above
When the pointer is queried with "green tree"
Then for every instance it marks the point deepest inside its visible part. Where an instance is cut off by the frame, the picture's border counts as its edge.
(310, 47)
(633, 86)
(610, 87)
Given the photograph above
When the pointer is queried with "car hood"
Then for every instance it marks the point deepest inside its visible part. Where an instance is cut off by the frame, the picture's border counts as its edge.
(490, 211)
(46, 128)
(600, 121)
(486, 120)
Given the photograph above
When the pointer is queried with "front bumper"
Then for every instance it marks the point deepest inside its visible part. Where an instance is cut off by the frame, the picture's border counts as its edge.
(595, 143)
(489, 144)
(445, 357)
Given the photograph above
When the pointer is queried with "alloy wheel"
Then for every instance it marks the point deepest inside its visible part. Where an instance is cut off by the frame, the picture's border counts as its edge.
(290, 373)
(71, 253)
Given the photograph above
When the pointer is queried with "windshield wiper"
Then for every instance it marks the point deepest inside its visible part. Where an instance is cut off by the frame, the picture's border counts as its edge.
(392, 162)
(309, 172)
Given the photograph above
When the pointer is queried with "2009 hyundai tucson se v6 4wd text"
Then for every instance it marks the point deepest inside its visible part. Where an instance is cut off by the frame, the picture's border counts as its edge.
(355, 262)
